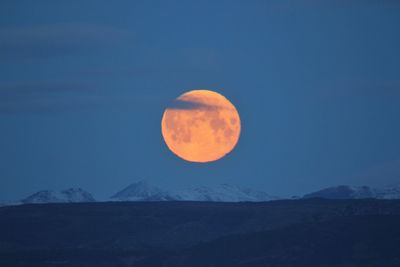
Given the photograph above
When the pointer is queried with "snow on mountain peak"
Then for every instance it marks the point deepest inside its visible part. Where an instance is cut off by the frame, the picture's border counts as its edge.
(142, 191)
(223, 193)
(71, 195)
(357, 192)
(389, 192)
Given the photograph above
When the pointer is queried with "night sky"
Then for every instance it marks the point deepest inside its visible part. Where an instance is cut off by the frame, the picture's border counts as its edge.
(84, 84)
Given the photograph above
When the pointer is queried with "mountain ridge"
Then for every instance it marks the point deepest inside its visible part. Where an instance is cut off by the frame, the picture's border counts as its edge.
(356, 192)
(143, 191)
(285, 233)
(70, 195)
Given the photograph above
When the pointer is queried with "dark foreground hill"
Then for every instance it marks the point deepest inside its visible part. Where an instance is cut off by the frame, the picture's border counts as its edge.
(312, 232)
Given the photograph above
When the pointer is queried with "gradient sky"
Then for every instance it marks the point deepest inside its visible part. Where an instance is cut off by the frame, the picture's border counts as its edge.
(83, 85)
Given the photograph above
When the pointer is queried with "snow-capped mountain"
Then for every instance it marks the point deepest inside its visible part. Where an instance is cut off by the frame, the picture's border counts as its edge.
(142, 191)
(389, 192)
(357, 192)
(222, 193)
(71, 195)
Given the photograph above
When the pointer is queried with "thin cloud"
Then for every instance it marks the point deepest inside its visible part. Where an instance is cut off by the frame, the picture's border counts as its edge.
(44, 41)
(388, 88)
(45, 96)
(335, 3)
(38, 86)
(188, 105)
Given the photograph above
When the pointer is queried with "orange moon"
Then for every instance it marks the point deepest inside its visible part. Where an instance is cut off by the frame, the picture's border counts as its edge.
(201, 126)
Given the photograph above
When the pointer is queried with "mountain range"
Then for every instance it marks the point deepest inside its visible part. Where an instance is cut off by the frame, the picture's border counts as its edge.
(357, 192)
(144, 191)
(71, 195)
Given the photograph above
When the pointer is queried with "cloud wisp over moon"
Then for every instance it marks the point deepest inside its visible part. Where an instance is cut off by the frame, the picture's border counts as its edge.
(179, 104)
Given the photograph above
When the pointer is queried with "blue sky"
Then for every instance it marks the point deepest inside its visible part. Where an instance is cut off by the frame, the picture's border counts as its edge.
(83, 85)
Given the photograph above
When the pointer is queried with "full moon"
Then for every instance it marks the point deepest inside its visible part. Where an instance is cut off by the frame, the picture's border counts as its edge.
(201, 126)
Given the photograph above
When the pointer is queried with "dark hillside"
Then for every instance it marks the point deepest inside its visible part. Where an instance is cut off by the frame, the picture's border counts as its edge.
(148, 233)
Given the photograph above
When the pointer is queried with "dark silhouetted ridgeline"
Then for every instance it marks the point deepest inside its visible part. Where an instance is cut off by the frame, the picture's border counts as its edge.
(308, 232)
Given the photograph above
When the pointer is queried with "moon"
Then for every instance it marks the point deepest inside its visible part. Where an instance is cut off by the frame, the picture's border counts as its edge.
(201, 126)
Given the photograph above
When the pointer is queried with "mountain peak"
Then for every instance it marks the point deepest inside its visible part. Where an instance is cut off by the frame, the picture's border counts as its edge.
(356, 192)
(141, 191)
(69, 195)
